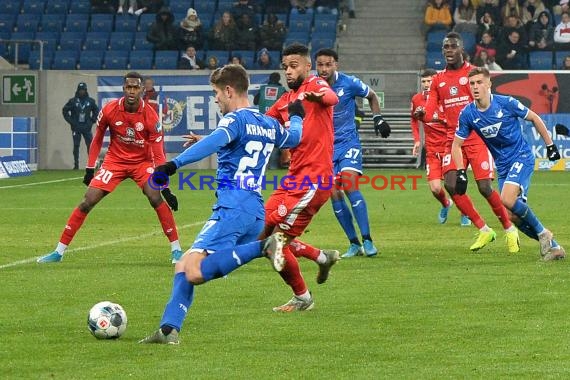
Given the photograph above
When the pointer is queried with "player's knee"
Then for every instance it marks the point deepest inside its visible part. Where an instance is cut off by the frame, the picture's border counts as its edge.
(450, 187)
(191, 264)
(508, 201)
(485, 188)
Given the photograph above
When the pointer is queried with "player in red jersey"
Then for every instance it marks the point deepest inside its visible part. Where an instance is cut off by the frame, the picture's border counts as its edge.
(435, 141)
(133, 126)
(450, 90)
(290, 208)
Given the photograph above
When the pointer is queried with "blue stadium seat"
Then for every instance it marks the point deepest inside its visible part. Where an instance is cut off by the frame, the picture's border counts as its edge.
(318, 43)
(559, 58)
(325, 17)
(469, 42)
(165, 59)
(125, 24)
(247, 57)
(34, 60)
(101, 22)
(275, 56)
(434, 40)
(7, 22)
(27, 22)
(141, 43)
(80, 7)
(91, 60)
(33, 6)
(435, 60)
(71, 40)
(300, 25)
(295, 17)
(76, 22)
(121, 41)
(202, 7)
(325, 25)
(96, 41)
(225, 5)
(181, 6)
(23, 48)
(52, 22)
(145, 21)
(292, 37)
(140, 60)
(51, 40)
(540, 60)
(57, 6)
(64, 60)
(10, 7)
(116, 60)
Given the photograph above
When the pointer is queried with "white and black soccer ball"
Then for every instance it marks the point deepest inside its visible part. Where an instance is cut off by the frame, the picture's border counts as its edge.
(107, 320)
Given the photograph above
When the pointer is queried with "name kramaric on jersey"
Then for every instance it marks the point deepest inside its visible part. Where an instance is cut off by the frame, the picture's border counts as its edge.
(257, 130)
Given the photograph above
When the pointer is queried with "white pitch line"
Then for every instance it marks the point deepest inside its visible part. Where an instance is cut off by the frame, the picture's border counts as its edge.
(40, 183)
(112, 242)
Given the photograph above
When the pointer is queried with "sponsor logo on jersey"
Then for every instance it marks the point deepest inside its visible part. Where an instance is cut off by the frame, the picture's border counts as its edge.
(453, 90)
(491, 130)
(118, 123)
(442, 84)
(130, 132)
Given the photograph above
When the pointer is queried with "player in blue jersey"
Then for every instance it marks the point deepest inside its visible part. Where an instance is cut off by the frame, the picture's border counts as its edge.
(243, 141)
(495, 118)
(348, 151)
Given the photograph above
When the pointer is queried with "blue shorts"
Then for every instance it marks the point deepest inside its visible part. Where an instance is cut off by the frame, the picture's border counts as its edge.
(348, 156)
(519, 174)
(227, 228)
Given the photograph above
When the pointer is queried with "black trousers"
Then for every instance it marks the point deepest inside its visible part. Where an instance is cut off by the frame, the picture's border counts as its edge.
(87, 136)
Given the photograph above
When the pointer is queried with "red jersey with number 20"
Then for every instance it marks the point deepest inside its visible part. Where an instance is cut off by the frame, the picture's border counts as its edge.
(450, 90)
(313, 157)
(133, 135)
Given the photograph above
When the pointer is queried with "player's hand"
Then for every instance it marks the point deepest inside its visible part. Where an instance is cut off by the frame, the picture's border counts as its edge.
(89, 174)
(552, 152)
(285, 157)
(296, 109)
(416, 148)
(461, 182)
(381, 127)
(191, 138)
(312, 96)
(170, 198)
(168, 168)
(419, 113)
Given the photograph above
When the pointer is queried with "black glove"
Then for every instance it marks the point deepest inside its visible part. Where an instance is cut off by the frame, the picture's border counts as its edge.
(296, 109)
(170, 198)
(552, 152)
(168, 168)
(461, 182)
(89, 174)
(381, 126)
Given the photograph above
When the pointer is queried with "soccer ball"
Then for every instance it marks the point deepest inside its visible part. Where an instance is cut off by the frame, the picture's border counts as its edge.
(107, 320)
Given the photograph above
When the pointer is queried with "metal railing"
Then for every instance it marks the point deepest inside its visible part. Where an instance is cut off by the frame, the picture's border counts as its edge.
(15, 45)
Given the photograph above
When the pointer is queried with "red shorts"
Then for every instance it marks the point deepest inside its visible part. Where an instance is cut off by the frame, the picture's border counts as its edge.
(110, 175)
(292, 210)
(434, 165)
(478, 156)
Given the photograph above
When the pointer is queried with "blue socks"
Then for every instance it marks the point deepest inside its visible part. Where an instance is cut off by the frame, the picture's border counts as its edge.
(227, 260)
(524, 212)
(344, 217)
(360, 211)
(179, 303)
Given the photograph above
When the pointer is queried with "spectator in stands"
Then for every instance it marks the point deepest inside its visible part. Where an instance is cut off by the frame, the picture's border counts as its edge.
(149, 6)
(565, 63)
(243, 7)
(511, 54)
(213, 63)
(81, 113)
(264, 61)
(277, 6)
(327, 6)
(437, 16)
(491, 7)
(486, 44)
(189, 60)
(511, 8)
(191, 31)
(563, 6)
(132, 6)
(302, 6)
(103, 6)
(483, 60)
(465, 18)
(272, 33)
(222, 35)
(541, 36)
(562, 33)
(162, 33)
(487, 25)
(531, 10)
(153, 97)
(247, 33)
(513, 23)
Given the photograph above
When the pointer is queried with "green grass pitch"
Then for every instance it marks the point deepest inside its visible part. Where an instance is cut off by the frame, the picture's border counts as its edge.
(425, 308)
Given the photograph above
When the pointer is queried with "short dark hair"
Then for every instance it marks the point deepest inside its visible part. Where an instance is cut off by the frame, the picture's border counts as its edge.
(327, 53)
(232, 75)
(428, 73)
(455, 35)
(296, 48)
(133, 75)
(479, 70)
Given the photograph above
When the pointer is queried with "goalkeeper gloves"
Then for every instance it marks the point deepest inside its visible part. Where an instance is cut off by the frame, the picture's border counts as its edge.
(170, 198)
(381, 127)
(552, 152)
(89, 174)
(461, 182)
(159, 177)
(296, 109)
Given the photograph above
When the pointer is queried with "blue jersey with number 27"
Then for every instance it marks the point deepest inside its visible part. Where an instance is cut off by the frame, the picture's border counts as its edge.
(499, 126)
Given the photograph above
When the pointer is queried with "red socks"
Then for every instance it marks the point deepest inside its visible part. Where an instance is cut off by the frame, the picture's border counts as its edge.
(441, 198)
(301, 249)
(291, 273)
(73, 225)
(466, 206)
(499, 209)
(167, 221)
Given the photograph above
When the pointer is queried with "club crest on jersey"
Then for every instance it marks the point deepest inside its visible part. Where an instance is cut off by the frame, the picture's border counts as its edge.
(463, 81)
(340, 92)
(130, 132)
(281, 210)
(453, 90)
(139, 126)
